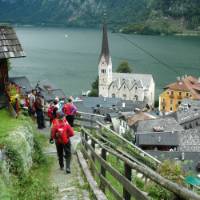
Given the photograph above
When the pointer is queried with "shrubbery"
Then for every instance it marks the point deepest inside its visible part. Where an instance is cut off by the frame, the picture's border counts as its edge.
(25, 172)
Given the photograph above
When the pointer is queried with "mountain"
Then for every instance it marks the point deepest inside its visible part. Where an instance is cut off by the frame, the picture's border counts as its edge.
(143, 16)
(72, 12)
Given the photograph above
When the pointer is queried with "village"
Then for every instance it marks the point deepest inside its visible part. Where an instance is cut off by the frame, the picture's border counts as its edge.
(126, 105)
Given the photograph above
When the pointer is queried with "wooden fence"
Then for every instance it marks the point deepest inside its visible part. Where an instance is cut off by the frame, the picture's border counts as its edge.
(125, 178)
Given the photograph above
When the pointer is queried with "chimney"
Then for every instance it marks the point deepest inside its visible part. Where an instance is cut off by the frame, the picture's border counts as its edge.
(178, 78)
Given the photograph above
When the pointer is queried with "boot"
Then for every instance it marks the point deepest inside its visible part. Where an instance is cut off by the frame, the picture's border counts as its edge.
(68, 160)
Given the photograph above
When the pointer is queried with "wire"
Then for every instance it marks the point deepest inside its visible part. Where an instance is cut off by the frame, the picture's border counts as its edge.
(149, 54)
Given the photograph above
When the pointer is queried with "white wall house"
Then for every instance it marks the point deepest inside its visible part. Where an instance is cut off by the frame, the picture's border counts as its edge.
(128, 86)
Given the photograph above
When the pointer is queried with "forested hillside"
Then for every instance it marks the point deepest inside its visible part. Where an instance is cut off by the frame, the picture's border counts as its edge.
(72, 12)
(172, 15)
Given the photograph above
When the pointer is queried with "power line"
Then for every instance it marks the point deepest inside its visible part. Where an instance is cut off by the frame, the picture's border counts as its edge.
(149, 54)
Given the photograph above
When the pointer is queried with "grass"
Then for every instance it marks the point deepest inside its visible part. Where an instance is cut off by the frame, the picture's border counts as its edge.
(7, 123)
(32, 185)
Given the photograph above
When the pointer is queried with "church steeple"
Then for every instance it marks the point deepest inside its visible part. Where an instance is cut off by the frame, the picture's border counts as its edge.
(105, 64)
(105, 47)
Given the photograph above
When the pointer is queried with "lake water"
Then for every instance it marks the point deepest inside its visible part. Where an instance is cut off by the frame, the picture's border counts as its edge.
(68, 57)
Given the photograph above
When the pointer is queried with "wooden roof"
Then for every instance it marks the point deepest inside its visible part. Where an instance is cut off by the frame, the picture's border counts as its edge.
(10, 46)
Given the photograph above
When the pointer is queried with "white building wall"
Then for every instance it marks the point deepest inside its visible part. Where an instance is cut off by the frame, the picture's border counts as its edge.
(105, 76)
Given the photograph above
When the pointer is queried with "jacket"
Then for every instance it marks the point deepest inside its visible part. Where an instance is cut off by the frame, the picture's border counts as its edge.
(69, 109)
(61, 131)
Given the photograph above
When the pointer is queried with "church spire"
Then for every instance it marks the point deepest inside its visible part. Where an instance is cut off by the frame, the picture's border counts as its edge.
(105, 47)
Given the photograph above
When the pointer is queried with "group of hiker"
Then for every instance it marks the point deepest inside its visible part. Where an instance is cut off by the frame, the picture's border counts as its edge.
(61, 116)
(62, 123)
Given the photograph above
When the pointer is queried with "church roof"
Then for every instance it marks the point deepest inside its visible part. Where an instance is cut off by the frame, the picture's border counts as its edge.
(142, 80)
(105, 47)
(10, 46)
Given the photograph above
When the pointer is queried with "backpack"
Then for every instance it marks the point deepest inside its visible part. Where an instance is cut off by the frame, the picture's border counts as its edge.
(50, 112)
(59, 135)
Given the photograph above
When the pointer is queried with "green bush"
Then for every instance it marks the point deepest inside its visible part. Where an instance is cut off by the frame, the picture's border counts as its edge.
(158, 193)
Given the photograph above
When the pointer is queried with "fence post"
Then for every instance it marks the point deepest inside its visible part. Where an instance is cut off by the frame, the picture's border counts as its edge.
(93, 158)
(86, 140)
(103, 170)
(128, 175)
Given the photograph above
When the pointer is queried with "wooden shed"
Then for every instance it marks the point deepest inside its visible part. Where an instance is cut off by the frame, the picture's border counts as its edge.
(10, 47)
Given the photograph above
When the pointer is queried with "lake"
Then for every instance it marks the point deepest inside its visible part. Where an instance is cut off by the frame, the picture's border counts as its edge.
(68, 57)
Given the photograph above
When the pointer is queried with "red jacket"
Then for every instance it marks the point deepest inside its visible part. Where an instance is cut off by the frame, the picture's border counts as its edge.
(69, 109)
(61, 131)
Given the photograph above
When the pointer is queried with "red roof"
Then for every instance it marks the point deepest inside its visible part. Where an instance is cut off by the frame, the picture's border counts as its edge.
(187, 84)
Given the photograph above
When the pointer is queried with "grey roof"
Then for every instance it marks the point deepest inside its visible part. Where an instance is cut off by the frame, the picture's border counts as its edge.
(143, 80)
(168, 124)
(10, 46)
(22, 82)
(107, 105)
(50, 91)
(183, 116)
(105, 46)
(195, 104)
(164, 139)
(190, 140)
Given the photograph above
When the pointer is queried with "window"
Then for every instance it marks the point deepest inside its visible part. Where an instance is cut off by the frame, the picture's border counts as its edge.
(103, 71)
(187, 94)
(171, 101)
(163, 107)
(124, 96)
(113, 95)
(180, 93)
(124, 87)
(136, 97)
(172, 92)
(171, 109)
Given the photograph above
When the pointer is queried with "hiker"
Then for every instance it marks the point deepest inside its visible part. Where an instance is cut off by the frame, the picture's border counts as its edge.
(31, 98)
(39, 109)
(70, 111)
(61, 132)
(51, 113)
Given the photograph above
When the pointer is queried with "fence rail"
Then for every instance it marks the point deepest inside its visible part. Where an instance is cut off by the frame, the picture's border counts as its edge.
(125, 179)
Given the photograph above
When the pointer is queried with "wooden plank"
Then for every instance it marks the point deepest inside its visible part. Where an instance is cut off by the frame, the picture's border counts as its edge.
(123, 180)
(178, 190)
(128, 175)
(103, 170)
(115, 193)
(93, 185)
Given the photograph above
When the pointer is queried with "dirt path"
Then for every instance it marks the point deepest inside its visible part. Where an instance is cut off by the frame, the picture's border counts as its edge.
(70, 186)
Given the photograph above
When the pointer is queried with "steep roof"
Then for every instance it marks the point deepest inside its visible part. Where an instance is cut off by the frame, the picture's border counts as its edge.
(168, 124)
(10, 46)
(188, 83)
(140, 79)
(105, 47)
(22, 82)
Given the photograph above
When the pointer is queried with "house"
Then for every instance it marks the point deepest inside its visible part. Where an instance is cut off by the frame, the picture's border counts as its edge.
(158, 134)
(185, 87)
(188, 114)
(10, 47)
(134, 87)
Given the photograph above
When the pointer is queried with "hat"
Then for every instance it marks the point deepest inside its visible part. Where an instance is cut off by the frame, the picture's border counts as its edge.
(59, 114)
(56, 99)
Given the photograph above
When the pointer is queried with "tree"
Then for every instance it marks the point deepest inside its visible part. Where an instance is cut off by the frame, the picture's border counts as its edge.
(95, 88)
(124, 67)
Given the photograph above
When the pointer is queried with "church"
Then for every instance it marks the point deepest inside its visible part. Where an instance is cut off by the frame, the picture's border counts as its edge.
(127, 86)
